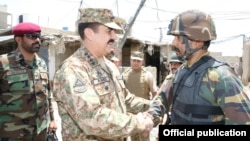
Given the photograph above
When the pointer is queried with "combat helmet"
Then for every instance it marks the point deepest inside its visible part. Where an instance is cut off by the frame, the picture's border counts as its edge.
(194, 24)
(175, 58)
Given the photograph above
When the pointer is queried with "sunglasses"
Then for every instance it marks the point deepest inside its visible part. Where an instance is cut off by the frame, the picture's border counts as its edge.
(33, 35)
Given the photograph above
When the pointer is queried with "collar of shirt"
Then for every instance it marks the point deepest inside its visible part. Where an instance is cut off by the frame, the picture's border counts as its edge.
(190, 65)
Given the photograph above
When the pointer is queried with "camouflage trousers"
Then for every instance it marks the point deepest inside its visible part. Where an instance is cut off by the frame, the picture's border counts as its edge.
(39, 137)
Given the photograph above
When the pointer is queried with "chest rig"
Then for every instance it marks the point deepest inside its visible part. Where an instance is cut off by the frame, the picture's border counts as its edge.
(188, 106)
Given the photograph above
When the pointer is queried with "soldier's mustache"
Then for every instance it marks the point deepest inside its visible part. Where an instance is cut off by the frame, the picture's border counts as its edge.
(36, 43)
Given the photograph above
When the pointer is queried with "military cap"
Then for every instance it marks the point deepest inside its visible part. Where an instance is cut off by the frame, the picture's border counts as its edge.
(25, 28)
(99, 15)
(137, 55)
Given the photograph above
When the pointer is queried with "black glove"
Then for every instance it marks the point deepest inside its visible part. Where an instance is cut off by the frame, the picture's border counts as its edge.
(157, 113)
(51, 136)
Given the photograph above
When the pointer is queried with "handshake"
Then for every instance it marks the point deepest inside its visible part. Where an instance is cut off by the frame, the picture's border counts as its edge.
(146, 123)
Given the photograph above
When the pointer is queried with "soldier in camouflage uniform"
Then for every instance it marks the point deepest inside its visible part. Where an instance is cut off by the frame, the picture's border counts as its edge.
(162, 94)
(93, 102)
(205, 90)
(140, 82)
(24, 89)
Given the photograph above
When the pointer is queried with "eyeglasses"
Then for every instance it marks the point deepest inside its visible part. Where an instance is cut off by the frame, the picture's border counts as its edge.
(33, 35)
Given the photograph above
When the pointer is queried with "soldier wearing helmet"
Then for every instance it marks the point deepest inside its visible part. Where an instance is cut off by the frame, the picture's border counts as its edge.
(202, 89)
(175, 62)
(192, 26)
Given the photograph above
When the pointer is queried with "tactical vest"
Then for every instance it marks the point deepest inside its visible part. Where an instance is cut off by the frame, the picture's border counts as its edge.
(136, 82)
(188, 106)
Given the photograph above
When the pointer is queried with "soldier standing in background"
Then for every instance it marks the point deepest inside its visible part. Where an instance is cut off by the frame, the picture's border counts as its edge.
(93, 101)
(137, 79)
(25, 109)
(162, 94)
(140, 82)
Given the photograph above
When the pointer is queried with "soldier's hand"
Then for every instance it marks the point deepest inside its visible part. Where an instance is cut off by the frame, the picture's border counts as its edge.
(146, 114)
(146, 123)
(52, 126)
(149, 127)
(157, 112)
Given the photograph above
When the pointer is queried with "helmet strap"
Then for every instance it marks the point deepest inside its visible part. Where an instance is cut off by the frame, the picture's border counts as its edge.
(188, 51)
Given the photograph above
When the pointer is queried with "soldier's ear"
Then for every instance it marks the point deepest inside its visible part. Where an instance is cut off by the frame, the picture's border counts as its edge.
(18, 39)
(89, 33)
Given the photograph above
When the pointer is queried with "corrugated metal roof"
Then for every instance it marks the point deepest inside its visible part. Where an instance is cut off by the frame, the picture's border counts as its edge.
(4, 32)
(6, 39)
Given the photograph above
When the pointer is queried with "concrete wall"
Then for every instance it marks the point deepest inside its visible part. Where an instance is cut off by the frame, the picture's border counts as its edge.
(233, 61)
(246, 63)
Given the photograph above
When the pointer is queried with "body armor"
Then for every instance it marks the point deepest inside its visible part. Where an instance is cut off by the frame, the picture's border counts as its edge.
(137, 83)
(188, 106)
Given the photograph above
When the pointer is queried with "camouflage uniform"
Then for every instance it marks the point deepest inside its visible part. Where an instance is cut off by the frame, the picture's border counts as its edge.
(93, 101)
(164, 97)
(211, 93)
(141, 83)
(24, 93)
(231, 98)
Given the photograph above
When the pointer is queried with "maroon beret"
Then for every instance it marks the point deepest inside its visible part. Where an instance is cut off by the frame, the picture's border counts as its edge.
(25, 28)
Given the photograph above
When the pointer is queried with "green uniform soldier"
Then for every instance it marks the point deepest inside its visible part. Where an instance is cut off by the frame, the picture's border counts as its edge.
(25, 98)
(205, 91)
(162, 94)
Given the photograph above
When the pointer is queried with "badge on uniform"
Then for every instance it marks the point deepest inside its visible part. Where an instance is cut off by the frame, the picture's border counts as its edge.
(80, 86)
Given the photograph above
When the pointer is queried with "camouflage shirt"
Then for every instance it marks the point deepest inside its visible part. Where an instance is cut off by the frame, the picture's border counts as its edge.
(24, 92)
(93, 101)
(220, 87)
